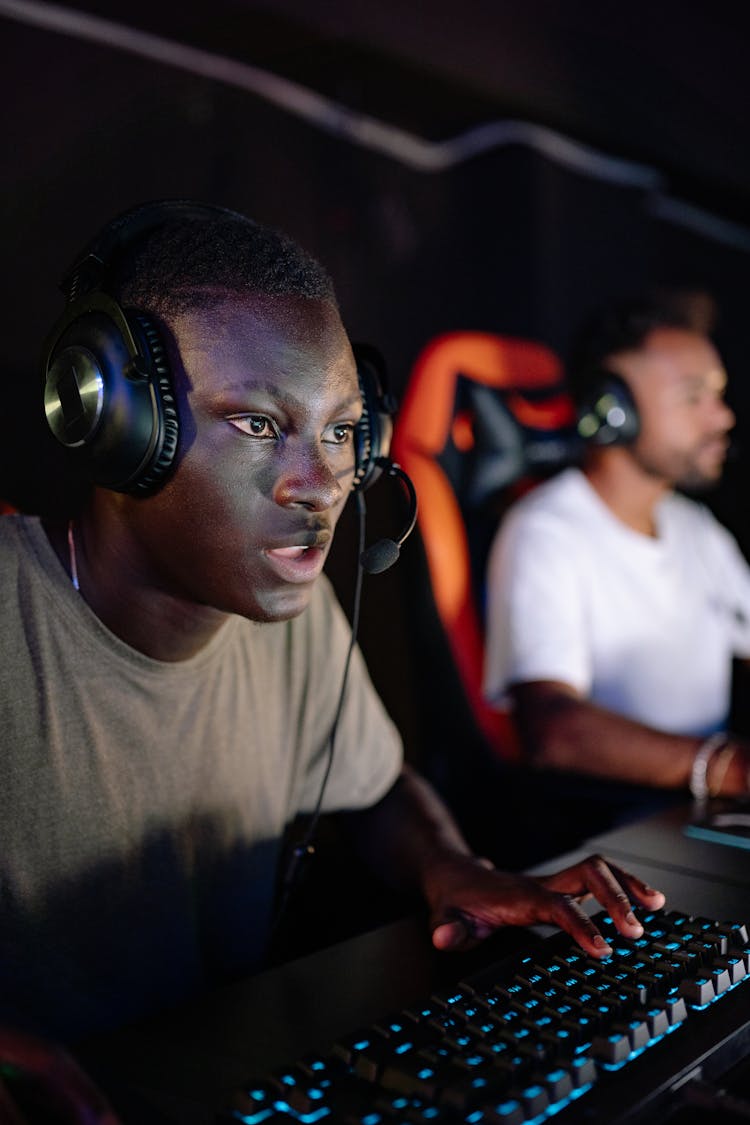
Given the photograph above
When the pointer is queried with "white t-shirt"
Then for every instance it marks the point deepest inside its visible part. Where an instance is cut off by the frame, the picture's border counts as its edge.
(646, 627)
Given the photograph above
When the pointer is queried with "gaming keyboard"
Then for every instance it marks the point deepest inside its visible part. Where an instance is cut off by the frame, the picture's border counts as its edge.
(554, 1033)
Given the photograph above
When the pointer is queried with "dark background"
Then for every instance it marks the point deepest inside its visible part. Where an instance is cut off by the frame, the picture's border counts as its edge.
(628, 166)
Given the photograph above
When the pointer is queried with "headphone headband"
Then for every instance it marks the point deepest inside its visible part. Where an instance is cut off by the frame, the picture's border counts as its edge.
(93, 267)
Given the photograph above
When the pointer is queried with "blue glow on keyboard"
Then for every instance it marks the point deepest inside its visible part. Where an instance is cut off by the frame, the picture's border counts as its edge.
(305, 1118)
(715, 837)
(506, 1108)
(533, 1001)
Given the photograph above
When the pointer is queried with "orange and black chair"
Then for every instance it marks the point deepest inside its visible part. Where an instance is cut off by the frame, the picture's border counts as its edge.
(483, 418)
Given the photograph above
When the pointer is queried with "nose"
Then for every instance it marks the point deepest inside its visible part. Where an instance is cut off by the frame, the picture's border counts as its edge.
(308, 479)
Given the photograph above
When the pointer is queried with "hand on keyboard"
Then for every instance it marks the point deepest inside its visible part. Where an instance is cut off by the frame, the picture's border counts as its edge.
(472, 899)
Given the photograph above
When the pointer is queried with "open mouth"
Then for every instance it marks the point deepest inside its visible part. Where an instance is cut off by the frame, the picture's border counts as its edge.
(296, 564)
(290, 552)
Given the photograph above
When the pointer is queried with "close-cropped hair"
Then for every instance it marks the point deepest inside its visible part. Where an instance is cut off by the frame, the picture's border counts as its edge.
(184, 262)
(625, 325)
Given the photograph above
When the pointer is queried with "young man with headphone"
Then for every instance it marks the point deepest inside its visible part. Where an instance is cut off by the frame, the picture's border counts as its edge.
(173, 658)
(615, 603)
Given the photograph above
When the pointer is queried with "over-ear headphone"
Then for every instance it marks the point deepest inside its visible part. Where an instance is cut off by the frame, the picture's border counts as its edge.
(372, 435)
(108, 391)
(608, 414)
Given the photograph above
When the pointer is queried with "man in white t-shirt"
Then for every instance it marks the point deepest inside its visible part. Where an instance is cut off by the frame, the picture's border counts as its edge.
(615, 604)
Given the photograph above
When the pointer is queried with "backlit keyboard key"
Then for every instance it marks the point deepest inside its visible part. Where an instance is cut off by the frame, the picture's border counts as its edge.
(698, 991)
(734, 965)
(612, 1048)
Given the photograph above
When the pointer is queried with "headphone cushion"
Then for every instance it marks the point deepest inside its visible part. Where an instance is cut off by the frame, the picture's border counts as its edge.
(372, 434)
(363, 444)
(152, 475)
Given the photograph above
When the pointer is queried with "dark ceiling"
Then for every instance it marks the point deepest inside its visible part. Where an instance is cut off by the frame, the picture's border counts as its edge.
(662, 83)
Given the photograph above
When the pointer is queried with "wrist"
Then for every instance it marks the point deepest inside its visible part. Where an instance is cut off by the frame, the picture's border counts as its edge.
(728, 773)
(702, 764)
(448, 872)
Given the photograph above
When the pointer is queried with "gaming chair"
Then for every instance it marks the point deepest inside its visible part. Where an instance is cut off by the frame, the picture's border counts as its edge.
(482, 419)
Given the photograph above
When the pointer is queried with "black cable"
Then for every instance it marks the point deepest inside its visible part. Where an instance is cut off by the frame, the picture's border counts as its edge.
(306, 849)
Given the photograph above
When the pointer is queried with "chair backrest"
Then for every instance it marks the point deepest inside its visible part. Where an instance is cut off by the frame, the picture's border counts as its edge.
(483, 418)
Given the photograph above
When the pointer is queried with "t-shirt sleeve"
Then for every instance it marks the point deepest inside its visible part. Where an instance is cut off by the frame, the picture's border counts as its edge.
(367, 754)
(535, 624)
(731, 581)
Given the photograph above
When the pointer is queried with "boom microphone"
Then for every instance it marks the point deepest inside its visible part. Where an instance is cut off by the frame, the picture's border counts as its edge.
(385, 552)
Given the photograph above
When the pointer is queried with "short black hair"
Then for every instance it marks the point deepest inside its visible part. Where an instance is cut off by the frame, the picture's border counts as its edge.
(180, 265)
(624, 326)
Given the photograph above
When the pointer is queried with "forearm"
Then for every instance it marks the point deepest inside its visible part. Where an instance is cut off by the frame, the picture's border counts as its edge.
(571, 734)
(409, 835)
(562, 731)
(412, 840)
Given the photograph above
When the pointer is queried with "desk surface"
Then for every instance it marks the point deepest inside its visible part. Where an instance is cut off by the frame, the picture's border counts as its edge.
(182, 1068)
(671, 839)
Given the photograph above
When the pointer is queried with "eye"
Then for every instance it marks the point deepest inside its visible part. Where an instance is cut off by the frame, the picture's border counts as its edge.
(255, 425)
(340, 433)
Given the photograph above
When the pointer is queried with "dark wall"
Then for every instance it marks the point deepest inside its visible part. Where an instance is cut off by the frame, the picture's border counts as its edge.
(510, 241)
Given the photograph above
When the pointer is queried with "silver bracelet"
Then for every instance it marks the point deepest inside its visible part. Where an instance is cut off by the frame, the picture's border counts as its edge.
(703, 755)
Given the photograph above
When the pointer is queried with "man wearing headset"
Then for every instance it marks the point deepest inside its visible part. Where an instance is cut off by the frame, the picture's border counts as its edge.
(172, 655)
(616, 604)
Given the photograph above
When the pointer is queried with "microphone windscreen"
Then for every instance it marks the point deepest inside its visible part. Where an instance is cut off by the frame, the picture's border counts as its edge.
(380, 556)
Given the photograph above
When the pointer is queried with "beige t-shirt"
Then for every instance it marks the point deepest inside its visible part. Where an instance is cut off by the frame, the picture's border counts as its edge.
(143, 802)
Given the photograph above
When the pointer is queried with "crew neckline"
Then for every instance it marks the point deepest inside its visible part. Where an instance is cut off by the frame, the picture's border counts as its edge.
(650, 542)
(80, 615)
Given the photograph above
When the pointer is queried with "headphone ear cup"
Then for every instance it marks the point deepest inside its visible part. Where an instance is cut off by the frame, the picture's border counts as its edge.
(165, 419)
(373, 432)
(108, 394)
(109, 397)
(608, 415)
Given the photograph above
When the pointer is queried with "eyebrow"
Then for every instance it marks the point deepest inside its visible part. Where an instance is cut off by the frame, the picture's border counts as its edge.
(286, 398)
(713, 377)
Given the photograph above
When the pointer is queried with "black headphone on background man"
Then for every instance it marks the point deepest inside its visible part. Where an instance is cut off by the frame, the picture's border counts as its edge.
(108, 392)
(607, 413)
